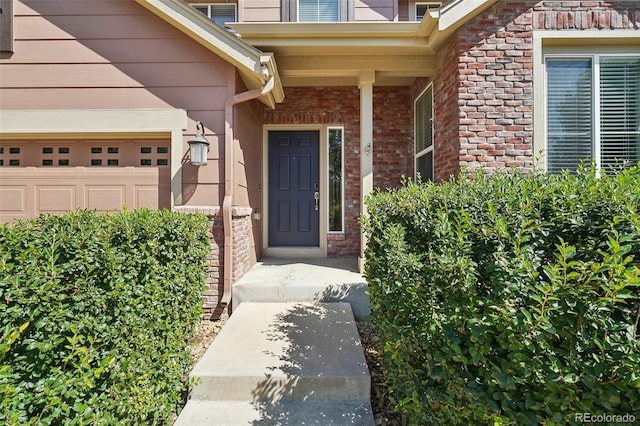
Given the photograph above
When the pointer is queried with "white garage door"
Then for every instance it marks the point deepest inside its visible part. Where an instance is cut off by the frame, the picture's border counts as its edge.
(104, 175)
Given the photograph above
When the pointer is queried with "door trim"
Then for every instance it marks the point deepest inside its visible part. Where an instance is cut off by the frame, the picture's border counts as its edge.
(321, 249)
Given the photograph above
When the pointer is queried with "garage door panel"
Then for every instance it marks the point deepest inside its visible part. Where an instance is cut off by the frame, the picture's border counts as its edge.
(58, 176)
(55, 199)
(105, 198)
(13, 201)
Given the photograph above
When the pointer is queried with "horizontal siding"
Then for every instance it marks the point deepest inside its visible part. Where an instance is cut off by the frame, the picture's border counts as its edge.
(191, 98)
(376, 10)
(260, 11)
(106, 54)
(70, 51)
(115, 54)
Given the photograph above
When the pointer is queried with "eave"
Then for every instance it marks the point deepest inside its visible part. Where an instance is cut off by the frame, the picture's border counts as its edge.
(254, 66)
(335, 53)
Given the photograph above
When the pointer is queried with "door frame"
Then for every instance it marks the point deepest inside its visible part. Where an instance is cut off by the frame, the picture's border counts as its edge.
(321, 249)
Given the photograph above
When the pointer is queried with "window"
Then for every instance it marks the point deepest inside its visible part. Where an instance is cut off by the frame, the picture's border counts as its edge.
(593, 111)
(423, 8)
(336, 181)
(318, 10)
(220, 13)
(423, 122)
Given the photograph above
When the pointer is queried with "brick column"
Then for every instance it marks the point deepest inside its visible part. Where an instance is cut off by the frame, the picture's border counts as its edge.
(212, 296)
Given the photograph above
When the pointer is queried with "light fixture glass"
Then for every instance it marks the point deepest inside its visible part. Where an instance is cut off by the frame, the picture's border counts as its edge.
(199, 147)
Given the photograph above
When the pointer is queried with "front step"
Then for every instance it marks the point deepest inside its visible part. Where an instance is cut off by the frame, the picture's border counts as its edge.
(273, 352)
(285, 412)
(305, 280)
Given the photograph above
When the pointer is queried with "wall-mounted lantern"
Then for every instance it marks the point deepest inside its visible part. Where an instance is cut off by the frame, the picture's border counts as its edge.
(198, 147)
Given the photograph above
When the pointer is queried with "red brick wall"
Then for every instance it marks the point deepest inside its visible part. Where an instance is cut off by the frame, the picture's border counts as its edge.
(495, 74)
(242, 247)
(392, 135)
(585, 15)
(496, 88)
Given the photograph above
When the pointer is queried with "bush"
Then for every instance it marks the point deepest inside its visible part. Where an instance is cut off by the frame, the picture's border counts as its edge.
(95, 313)
(509, 299)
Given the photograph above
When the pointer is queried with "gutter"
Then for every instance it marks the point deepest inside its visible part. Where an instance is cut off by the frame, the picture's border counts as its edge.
(229, 183)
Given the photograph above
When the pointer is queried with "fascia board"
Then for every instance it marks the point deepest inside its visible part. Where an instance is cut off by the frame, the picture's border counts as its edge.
(210, 35)
(333, 30)
(456, 13)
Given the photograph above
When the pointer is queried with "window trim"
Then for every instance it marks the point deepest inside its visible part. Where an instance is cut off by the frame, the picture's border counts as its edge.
(430, 148)
(568, 42)
(594, 55)
(342, 225)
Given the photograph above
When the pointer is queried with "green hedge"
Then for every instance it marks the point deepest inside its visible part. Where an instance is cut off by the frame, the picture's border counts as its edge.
(509, 299)
(95, 314)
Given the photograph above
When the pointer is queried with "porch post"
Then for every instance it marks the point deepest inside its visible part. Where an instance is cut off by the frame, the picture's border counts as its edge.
(367, 78)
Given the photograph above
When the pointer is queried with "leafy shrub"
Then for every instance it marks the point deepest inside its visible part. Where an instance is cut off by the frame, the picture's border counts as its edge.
(95, 313)
(509, 299)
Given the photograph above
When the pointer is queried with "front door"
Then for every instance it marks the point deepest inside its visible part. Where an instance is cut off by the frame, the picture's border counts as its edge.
(294, 215)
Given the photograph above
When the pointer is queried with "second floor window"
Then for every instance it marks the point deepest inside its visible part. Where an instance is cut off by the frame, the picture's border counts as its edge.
(423, 8)
(220, 13)
(318, 10)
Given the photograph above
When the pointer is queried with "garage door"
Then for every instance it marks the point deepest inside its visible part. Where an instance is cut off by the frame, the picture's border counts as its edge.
(103, 175)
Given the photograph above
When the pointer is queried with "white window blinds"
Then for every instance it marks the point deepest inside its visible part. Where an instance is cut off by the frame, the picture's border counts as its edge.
(318, 10)
(593, 111)
(619, 111)
(569, 113)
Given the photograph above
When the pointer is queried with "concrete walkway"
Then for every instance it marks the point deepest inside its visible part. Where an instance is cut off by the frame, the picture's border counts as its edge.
(287, 362)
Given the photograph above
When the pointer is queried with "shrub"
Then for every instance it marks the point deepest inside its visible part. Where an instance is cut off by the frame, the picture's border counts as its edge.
(95, 313)
(509, 299)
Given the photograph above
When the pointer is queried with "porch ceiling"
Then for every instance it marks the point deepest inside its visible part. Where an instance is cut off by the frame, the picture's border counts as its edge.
(312, 54)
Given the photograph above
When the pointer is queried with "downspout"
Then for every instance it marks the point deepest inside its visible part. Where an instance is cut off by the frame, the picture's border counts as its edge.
(229, 183)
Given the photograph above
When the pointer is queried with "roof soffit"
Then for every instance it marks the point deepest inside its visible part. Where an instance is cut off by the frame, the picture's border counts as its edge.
(335, 52)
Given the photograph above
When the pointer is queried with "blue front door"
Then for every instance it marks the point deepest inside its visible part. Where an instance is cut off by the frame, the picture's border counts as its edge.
(294, 214)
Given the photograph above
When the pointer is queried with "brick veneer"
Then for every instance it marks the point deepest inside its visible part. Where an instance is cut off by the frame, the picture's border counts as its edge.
(393, 142)
(488, 63)
(212, 296)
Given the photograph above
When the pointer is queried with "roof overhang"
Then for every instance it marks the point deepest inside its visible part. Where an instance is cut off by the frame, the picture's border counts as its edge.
(335, 53)
(254, 66)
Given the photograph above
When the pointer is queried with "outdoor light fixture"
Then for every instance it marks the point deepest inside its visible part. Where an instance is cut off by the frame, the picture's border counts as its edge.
(198, 147)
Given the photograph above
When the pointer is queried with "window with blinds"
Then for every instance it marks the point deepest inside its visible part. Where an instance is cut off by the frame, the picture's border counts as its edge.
(423, 120)
(585, 124)
(318, 10)
(220, 13)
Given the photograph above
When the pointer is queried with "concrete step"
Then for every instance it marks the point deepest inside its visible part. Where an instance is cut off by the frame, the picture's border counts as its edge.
(286, 412)
(305, 280)
(272, 352)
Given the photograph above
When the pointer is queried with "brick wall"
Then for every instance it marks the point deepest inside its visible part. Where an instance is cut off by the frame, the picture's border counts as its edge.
(495, 76)
(242, 228)
(586, 15)
(496, 88)
(392, 135)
